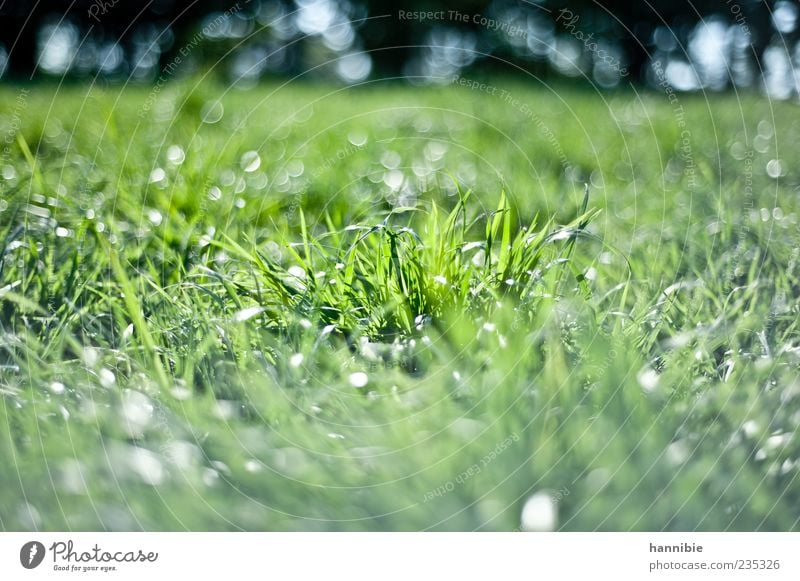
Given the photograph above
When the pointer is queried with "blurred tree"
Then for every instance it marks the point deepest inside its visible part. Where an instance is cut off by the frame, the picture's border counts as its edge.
(392, 42)
(404, 35)
(634, 23)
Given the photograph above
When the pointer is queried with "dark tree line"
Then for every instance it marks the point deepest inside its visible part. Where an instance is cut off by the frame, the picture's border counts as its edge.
(629, 24)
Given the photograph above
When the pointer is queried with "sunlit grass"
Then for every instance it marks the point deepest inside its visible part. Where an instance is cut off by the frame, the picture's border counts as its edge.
(396, 308)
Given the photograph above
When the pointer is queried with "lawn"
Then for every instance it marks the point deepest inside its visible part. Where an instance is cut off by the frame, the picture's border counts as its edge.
(306, 307)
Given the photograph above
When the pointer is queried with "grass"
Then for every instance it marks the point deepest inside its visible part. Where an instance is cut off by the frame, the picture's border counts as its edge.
(394, 308)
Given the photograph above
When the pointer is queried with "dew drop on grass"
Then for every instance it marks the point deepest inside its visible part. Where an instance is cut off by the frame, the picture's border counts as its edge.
(247, 314)
(467, 173)
(750, 428)
(295, 168)
(210, 477)
(774, 168)
(777, 441)
(182, 454)
(391, 160)
(435, 150)
(420, 169)
(648, 379)
(214, 193)
(226, 410)
(296, 360)
(157, 175)
(146, 465)
(250, 161)
(221, 467)
(258, 181)
(393, 179)
(677, 453)
(128, 332)
(297, 278)
(375, 177)
(90, 356)
(57, 387)
(212, 112)
(175, 154)
(253, 466)
(107, 378)
(136, 411)
(540, 513)
(180, 393)
(227, 178)
(297, 272)
(281, 180)
(357, 138)
(359, 379)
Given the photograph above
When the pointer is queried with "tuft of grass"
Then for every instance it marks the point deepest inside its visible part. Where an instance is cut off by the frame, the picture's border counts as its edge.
(414, 265)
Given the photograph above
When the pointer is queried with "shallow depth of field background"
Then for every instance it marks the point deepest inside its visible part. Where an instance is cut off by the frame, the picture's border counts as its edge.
(345, 266)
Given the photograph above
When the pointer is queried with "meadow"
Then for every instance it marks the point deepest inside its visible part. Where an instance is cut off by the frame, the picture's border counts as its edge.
(491, 305)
